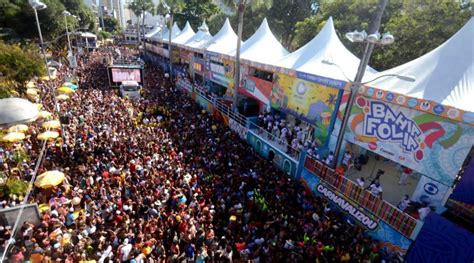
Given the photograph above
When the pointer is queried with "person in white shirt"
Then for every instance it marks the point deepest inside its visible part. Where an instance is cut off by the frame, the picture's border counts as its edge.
(361, 182)
(376, 189)
(424, 212)
(404, 203)
(125, 250)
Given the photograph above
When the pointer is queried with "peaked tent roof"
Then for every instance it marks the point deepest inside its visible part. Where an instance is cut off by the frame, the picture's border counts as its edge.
(262, 46)
(224, 41)
(175, 31)
(153, 32)
(201, 38)
(326, 45)
(159, 35)
(185, 35)
(444, 75)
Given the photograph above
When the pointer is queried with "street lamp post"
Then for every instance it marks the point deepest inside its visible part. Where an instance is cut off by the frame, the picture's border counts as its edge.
(356, 84)
(66, 14)
(38, 5)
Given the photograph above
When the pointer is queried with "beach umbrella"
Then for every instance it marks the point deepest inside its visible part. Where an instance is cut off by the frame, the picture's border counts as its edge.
(48, 135)
(18, 128)
(38, 105)
(32, 92)
(45, 114)
(49, 179)
(65, 90)
(62, 97)
(13, 137)
(16, 111)
(54, 124)
(30, 84)
(70, 85)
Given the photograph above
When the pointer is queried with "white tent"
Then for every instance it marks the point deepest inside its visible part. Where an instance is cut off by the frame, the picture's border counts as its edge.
(326, 45)
(175, 31)
(200, 39)
(224, 41)
(186, 34)
(262, 47)
(156, 30)
(159, 34)
(445, 75)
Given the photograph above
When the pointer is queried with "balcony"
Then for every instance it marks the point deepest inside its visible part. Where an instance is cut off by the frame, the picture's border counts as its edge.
(397, 219)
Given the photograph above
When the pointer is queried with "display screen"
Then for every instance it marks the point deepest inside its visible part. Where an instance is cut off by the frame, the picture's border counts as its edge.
(121, 74)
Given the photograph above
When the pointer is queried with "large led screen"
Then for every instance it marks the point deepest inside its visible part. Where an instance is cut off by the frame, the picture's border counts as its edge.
(121, 74)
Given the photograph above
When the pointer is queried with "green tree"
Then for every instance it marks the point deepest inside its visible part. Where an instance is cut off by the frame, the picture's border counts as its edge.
(418, 26)
(284, 14)
(240, 7)
(18, 64)
(111, 24)
(170, 8)
(195, 11)
(420, 30)
(18, 16)
(140, 8)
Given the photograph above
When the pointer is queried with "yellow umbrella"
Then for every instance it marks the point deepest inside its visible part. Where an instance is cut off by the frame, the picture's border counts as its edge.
(65, 90)
(32, 92)
(54, 124)
(44, 78)
(44, 114)
(44, 208)
(18, 128)
(62, 97)
(38, 105)
(49, 179)
(13, 137)
(47, 135)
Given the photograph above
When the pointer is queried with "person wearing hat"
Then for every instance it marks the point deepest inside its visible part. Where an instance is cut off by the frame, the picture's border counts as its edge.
(70, 218)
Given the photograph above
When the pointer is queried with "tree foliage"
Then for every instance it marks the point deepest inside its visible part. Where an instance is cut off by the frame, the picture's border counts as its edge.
(284, 14)
(17, 65)
(18, 16)
(418, 26)
(195, 11)
(111, 24)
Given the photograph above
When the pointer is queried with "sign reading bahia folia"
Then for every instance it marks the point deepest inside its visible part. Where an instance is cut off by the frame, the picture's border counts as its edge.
(429, 144)
(386, 125)
(358, 214)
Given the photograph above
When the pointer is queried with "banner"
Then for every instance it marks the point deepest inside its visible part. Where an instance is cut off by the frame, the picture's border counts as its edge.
(429, 144)
(257, 88)
(376, 228)
(309, 101)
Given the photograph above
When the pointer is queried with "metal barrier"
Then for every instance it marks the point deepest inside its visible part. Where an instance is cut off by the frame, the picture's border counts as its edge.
(400, 221)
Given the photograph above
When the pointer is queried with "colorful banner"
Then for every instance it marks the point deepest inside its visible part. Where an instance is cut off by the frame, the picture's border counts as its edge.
(376, 228)
(429, 144)
(309, 101)
(430, 192)
(258, 89)
(419, 104)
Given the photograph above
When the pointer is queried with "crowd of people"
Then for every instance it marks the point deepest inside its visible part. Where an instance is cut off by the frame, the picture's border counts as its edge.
(185, 189)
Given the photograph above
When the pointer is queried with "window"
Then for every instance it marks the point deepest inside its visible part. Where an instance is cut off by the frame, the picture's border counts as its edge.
(198, 55)
(265, 75)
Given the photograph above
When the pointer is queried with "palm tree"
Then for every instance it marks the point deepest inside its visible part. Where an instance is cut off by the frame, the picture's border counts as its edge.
(139, 8)
(240, 6)
(170, 8)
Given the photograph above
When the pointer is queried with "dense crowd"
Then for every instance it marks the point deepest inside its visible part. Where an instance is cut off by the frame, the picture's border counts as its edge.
(160, 180)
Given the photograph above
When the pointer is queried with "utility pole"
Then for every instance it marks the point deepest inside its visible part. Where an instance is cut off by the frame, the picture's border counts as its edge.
(374, 27)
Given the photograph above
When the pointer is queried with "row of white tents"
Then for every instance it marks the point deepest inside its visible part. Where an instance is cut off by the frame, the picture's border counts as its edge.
(445, 75)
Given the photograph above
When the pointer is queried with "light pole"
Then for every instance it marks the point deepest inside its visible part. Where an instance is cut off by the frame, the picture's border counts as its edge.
(66, 14)
(38, 5)
(371, 40)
